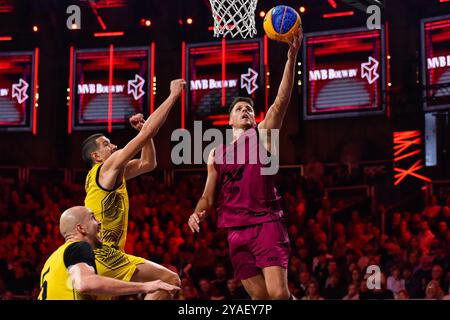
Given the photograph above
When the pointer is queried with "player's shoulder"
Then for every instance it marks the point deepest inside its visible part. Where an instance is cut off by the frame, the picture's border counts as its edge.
(78, 246)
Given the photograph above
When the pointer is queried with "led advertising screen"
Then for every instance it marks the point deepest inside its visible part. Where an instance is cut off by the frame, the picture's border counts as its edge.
(436, 63)
(217, 72)
(344, 73)
(108, 86)
(16, 91)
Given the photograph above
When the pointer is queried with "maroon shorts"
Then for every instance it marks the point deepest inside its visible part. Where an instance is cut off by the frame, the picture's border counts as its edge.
(256, 247)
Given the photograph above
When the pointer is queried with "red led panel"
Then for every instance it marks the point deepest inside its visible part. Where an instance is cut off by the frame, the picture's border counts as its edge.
(344, 73)
(108, 86)
(436, 63)
(102, 4)
(218, 72)
(17, 91)
(6, 6)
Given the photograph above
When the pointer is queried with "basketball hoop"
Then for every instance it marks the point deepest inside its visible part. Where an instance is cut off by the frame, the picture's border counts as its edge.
(234, 17)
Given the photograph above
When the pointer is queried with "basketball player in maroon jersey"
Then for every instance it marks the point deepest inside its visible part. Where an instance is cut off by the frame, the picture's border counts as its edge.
(247, 203)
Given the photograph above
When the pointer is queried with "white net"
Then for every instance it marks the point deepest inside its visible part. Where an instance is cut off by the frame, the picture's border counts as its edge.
(234, 17)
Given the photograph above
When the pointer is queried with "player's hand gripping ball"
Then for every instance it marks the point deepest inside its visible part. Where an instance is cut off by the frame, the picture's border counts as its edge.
(282, 23)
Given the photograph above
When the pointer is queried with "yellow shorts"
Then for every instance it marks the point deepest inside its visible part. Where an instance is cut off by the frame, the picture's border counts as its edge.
(116, 264)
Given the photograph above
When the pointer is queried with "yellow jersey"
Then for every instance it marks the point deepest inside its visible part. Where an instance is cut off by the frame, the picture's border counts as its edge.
(110, 207)
(55, 280)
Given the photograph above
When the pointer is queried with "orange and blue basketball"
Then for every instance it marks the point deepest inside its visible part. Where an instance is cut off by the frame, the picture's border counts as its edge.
(281, 23)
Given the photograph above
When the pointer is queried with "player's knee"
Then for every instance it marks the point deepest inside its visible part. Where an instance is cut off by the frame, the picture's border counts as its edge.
(172, 278)
(259, 296)
(279, 294)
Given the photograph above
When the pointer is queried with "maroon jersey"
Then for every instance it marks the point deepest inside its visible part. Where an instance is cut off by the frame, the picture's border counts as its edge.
(245, 196)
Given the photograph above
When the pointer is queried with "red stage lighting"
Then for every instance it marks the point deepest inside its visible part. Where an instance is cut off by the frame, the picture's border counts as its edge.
(338, 14)
(332, 3)
(145, 22)
(109, 34)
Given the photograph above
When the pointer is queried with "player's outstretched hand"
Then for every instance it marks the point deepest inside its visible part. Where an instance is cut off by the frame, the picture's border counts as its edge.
(195, 219)
(176, 87)
(137, 121)
(156, 285)
(295, 44)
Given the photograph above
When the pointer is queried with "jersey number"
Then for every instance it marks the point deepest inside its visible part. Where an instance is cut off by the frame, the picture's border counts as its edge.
(44, 285)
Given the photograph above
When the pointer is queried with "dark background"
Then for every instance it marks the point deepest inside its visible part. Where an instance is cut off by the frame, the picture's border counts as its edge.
(336, 140)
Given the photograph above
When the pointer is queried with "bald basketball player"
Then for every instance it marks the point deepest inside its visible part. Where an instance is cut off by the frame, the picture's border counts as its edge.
(70, 272)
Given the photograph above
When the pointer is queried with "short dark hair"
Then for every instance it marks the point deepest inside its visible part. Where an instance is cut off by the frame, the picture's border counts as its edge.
(88, 146)
(239, 99)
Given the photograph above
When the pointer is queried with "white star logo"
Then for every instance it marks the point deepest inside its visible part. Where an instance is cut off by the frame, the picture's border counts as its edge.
(248, 81)
(19, 91)
(369, 70)
(135, 87)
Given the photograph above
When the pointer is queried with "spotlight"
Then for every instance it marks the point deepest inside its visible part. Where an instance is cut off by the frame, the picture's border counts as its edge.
(302, 9)
(189, 21)
(35, 28)
(146, 22)
(74, 26)
(262, 14)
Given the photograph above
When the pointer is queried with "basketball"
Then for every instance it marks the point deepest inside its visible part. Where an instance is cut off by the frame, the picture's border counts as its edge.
(281, 23)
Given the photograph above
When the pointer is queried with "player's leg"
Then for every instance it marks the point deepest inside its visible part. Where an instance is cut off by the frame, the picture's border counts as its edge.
(244, 263)
(150, 271)
(256, 287)
(272, 256)
(277, 283)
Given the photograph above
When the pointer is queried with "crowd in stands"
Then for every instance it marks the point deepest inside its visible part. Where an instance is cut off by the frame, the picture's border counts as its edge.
(331, 258)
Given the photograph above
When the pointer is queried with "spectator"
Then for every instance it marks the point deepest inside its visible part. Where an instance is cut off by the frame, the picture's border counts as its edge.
(359, 240)
(423, 273)
(380, 291)
(235, 291)
(437, 274)
(220, 281)
(352, 293)
(442, 231)
(395, 283)
(403, 295)
(333, 290)
(203, 261)
(206, 291)
(305, 279)
(412, 284)
(433, 291)
(188, 291)
(426, 237)
(433, 209)
(312, 293)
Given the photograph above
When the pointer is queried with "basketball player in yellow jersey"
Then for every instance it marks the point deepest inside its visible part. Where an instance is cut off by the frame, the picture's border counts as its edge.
(107, 195)
(70, 273)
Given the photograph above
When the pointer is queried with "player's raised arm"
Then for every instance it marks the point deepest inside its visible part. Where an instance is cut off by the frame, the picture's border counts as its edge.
(147, 161)
(277, 111)
(206, 202)
(86, 281)
(119, 159)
